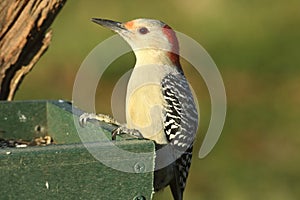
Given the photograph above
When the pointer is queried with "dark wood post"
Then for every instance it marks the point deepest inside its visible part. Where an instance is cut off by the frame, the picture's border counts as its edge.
(24, 37)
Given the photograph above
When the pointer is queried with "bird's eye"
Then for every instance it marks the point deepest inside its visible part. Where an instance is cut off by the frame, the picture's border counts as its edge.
(143, 30)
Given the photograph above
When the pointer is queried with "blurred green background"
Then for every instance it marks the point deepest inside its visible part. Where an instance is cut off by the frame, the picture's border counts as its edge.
(255, 44)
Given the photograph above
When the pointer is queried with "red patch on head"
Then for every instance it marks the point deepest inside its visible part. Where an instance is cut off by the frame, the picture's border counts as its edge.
(129, 25)
(174, 54)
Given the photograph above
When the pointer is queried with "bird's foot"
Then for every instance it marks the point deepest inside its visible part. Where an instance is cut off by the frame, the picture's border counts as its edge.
(124, 130)
(120, 130)
(97, 117)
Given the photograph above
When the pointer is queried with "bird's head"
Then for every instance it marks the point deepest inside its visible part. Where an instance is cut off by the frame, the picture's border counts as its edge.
(151, 40)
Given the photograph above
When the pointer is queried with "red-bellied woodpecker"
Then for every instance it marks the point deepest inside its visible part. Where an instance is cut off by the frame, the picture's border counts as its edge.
(159, 103)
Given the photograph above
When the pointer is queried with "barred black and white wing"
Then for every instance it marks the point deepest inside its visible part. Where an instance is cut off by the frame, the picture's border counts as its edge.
(180, 124)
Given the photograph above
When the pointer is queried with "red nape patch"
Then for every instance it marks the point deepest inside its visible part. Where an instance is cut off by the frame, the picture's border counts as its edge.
(174, 54)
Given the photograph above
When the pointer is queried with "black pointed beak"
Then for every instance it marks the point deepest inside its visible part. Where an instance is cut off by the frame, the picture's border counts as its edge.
(113, 25)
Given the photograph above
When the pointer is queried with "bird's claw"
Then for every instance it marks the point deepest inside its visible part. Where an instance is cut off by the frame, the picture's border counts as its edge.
(124, 130)
(86, 117)
(97, 117)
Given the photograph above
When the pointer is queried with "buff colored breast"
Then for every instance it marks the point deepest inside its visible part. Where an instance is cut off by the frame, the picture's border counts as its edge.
(145, 112)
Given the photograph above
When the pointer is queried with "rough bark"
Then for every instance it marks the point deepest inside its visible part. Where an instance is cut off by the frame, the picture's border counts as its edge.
(24, 37)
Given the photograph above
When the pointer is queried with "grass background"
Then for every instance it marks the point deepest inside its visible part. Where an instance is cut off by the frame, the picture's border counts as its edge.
(255, 44)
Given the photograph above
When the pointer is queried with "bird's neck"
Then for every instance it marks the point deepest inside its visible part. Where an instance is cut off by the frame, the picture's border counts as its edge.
(156, 57)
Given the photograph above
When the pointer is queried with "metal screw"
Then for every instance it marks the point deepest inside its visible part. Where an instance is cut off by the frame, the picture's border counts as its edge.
(139, 197)
(139, 167)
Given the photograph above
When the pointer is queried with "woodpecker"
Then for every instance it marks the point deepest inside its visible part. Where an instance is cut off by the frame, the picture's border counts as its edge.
(159, 102)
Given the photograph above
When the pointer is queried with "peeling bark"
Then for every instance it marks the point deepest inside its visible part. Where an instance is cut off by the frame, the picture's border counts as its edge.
(24, 38)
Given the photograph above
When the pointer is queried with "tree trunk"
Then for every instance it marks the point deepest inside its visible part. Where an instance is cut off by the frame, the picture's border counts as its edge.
(24, 37)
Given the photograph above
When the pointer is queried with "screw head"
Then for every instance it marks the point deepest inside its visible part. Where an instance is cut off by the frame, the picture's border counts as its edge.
(139, 197)
(139, 167)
